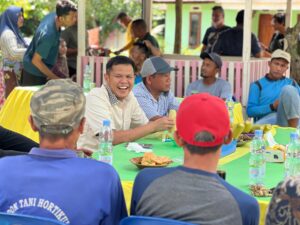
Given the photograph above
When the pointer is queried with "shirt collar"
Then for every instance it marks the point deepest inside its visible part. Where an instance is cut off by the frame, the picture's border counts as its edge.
(269, 79)
(53, 153)
(112, 97)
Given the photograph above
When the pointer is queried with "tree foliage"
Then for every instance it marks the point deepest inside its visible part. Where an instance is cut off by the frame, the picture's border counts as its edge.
(102, 13)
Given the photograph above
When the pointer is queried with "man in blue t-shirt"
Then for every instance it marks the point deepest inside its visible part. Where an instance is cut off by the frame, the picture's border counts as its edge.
(194, 192)
(52, 181)
(209, 83)
(274, 99)
(42, 52)
(230, 42)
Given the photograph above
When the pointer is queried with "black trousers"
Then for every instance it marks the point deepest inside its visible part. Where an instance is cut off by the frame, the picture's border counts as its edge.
(29, 79)
(10, 140)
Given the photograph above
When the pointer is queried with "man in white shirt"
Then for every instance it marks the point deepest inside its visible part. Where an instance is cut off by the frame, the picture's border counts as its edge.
(116, 102)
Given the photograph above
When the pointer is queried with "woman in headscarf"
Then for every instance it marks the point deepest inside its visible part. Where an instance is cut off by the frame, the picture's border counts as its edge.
(12, 45)
(284, 207)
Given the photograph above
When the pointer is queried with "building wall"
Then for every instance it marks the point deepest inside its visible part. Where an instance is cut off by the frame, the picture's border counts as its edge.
(205, 10)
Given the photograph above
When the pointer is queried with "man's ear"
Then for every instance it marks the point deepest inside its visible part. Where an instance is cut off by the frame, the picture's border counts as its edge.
(33, 126)
(228, 138)
(81, 125)
(179, 141)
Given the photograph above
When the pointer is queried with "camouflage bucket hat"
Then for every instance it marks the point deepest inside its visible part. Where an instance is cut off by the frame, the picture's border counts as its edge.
(58, 107)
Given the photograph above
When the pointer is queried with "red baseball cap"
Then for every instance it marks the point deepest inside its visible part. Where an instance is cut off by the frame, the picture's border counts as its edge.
(203, 112)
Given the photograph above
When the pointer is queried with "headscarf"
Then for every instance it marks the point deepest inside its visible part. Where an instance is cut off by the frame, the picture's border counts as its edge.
(9, 20)
(284, 207)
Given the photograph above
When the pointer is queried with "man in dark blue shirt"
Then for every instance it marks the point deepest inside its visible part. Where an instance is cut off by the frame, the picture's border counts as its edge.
(230, 42)
(52, 181)
(212, 33)
(42, 52)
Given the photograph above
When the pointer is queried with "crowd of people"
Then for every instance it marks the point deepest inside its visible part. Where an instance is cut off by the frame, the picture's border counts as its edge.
(49, 179)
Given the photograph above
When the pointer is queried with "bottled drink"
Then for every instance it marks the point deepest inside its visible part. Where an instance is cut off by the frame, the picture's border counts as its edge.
(105, 148)
(230, 108)
(87, 78)
(257, 161)
(292, 156)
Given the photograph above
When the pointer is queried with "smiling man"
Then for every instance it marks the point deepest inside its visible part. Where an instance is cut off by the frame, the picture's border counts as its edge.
(116, 102)
(274, 99)
(153, 94)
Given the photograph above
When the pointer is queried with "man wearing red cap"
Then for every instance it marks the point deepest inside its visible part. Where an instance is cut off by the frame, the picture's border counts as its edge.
(194, 192)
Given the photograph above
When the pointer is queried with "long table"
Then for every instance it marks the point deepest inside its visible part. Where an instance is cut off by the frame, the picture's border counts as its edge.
(14, 116)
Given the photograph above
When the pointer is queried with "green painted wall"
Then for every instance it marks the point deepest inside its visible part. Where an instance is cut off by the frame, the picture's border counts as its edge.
(205, 10)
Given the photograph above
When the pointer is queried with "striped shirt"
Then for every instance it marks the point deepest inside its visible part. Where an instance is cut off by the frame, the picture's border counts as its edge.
(150, 105)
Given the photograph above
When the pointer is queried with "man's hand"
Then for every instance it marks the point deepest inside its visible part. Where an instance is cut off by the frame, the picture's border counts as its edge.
(275, 104)
(163, 123)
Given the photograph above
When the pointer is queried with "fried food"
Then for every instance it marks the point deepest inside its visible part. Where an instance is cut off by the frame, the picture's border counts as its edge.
(150, 159)
(260, 191)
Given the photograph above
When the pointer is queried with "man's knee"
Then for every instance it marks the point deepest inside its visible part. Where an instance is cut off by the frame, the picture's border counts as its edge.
(289, 94)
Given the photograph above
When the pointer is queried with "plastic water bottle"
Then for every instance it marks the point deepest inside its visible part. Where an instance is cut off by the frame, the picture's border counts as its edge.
(87, 78)
(230, 108)
(291, 164)
(105, 148)
(257, 161)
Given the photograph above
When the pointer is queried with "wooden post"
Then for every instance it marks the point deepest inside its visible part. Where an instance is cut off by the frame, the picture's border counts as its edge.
(288, 14)
(177, 43)
(246, 47)
(147, 13)
(81, 37)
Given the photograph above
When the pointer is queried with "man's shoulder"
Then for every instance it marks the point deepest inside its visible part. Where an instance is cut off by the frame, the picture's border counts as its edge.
(146, 176)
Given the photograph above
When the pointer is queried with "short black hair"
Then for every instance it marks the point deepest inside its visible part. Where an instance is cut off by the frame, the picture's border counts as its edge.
(119, 60)
(203, 136)
(63, 7)
(240, 17)
(218, 8)
(142, 46)
(139, 24)
(279, 18)
(121, 15)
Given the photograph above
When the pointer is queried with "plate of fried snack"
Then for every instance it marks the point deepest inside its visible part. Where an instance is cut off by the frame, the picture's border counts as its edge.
(260, 191)
(150, 160)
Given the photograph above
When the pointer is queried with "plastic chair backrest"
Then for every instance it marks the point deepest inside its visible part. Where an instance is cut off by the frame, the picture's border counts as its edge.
(144, 220)
(20, 219)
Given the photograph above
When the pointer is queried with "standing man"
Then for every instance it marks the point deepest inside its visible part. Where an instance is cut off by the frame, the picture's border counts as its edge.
(126, 22)
(42, 52)
(51, 181)
(194, 192)
(230, 42)
(153, 94)
(212, 33)
(140, 32)
(278, 41)
(116, 102)
(274, 99)
(209, 83)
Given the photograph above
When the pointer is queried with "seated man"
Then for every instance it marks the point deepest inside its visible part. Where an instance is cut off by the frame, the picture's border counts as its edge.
(51, 181)
(116, 102)
(284, 205)
(194, 192)
(153, 94)
(211, 66)
(274, 99)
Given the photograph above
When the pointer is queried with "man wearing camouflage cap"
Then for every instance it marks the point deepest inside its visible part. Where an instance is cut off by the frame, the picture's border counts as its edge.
(51, 181)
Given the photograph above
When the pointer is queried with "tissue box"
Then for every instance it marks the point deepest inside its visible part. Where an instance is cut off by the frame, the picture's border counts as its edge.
(274, 155)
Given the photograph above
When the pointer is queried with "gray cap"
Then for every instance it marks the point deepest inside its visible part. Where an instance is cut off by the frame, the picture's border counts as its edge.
(214, 57)
(58, 107)
(154, 65)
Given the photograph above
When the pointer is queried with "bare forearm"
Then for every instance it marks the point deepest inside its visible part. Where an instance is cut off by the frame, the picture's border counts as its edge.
(43, 68)
(122, 136)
